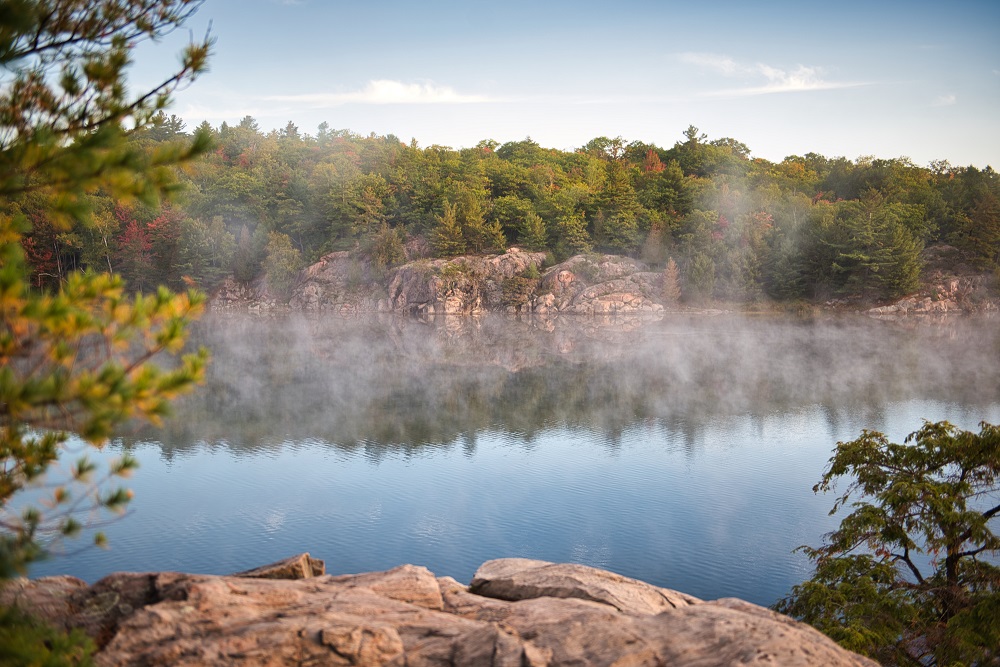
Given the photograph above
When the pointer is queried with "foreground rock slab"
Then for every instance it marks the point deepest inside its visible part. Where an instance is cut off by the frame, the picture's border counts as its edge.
(517, 613)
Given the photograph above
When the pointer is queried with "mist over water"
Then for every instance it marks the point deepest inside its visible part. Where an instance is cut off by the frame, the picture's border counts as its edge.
(681, 452)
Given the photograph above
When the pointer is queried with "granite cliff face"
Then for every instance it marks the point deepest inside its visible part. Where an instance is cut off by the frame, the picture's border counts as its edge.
(599, 285)
(512, 282)
(592, 284)
(464, 285)
(516, 612)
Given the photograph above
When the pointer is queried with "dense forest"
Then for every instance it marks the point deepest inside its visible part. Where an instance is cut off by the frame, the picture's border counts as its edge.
(738, 228)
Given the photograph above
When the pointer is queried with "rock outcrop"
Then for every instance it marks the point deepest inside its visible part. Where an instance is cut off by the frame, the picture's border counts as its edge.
(954, 295)
(517, 612)
(599, 285)
(469, 285)
(464, 285)
(949, 286)
(609, 286)
(338, 282)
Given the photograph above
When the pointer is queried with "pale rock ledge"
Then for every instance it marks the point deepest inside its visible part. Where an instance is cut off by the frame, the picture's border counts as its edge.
(516, 613)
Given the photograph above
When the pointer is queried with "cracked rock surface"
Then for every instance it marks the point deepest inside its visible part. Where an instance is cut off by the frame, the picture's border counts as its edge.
(516, 613)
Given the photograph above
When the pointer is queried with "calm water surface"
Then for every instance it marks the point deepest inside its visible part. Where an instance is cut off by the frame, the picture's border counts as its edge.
(681, 452)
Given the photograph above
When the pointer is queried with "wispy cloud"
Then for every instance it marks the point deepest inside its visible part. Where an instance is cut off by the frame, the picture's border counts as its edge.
(715, 61)
(228, 105)
(945, 100)
(772, 79)
(383, 91)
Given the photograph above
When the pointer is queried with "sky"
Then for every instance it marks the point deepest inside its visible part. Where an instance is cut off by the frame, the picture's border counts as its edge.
(875, 78)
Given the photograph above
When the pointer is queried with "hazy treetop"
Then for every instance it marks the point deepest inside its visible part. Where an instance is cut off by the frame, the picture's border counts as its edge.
(917, 80)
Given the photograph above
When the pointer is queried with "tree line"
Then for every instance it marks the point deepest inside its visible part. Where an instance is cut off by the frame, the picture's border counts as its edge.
(86, 174)
(737, 228)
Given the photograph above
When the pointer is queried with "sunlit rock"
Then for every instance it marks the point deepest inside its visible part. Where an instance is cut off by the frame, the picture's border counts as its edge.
(599, 285)
(473, 284)
(302, 566)
(518, 612)
(523, 579)
(461, 286)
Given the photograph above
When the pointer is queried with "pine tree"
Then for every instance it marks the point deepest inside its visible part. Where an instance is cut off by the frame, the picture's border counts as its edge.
(671, 282)
(448, 238)
(387, 248)
(77, 360)
(572, 238)
(533, 234)
(700, 284)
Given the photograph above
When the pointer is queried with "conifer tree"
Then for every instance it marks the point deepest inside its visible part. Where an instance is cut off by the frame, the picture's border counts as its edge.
(671, 282)
(572, 236)
(910, 576)
(448, 238)
(533, 235)
(387, 247)
(78, 360)
(700, 284)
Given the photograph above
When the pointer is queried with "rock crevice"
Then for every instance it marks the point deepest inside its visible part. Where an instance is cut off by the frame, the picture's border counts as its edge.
(516, 613)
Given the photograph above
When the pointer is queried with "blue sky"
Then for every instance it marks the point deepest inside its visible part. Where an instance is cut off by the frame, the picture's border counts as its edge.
(888, 79)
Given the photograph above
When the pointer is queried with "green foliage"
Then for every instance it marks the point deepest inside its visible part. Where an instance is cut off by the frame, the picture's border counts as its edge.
(977, 232)
(27, 642)
(78, 359)
(573, 238)
(516, 291)
(511, 212)
(387, 247)
(206, 251)
(533, 232)
(448, 238)
(616, 223)
(700, 283)
(248, 255)
(63, 105)
(908, 578)
(864, 248)
(282, 263)
(807, 227)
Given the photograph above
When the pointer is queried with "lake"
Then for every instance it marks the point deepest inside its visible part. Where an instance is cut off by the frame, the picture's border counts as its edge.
(681, 451)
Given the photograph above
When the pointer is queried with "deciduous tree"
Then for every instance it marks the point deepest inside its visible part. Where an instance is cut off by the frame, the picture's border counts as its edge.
(282, 262)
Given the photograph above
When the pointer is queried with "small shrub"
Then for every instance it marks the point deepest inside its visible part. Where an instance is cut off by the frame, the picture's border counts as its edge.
(516, 291)
(588, 270)
(26, 641)
(453, 271)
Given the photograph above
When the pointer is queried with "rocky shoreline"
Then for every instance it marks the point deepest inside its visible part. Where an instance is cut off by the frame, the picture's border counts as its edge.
(515, 613)
(514, 282)
(470, 285)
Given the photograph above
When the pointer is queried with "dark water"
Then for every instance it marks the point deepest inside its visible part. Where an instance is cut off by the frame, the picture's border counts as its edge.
(681, 452)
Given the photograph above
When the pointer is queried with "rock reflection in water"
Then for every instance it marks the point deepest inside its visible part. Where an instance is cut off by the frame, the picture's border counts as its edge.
(681, 452)
(385, 383)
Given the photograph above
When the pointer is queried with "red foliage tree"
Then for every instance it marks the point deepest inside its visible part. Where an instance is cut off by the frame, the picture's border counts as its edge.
(135, 254)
